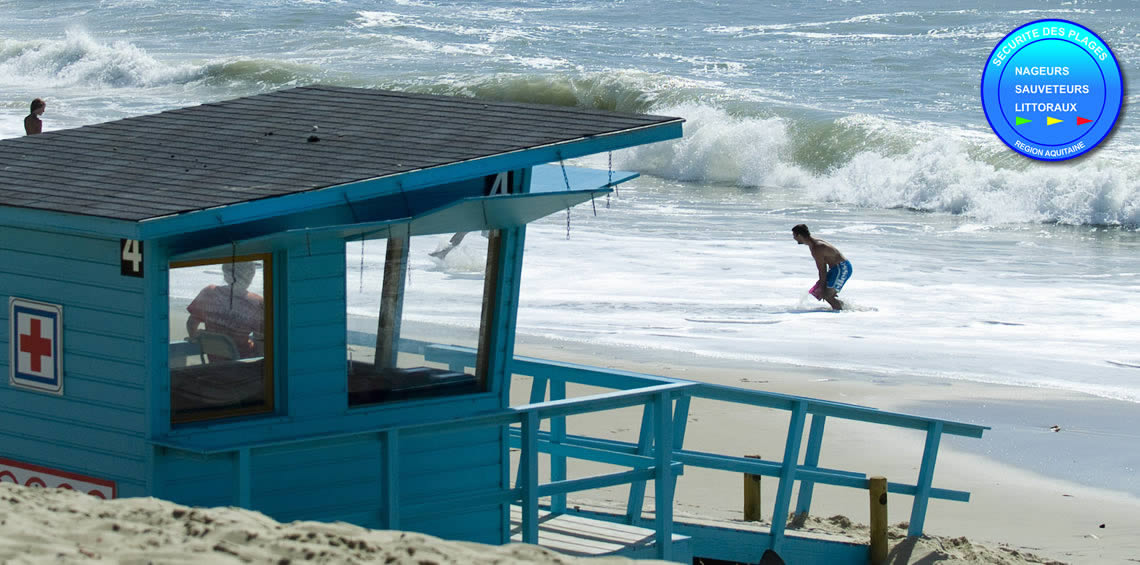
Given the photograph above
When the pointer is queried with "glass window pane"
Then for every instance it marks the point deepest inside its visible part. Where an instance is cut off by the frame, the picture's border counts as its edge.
(221, 336)
(442, 304)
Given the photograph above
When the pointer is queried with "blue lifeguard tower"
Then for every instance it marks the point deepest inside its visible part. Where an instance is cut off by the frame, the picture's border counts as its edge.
(178, 326)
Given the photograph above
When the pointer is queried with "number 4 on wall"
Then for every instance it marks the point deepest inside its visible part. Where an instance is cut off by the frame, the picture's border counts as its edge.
(131, 257)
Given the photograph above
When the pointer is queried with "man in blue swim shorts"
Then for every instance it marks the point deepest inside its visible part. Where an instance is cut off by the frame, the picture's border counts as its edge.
(834, 268)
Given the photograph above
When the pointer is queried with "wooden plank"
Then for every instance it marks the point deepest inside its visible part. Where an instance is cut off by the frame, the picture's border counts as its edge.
(576, 535)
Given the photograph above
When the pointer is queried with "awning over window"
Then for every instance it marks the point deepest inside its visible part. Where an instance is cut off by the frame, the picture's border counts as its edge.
(548, 194)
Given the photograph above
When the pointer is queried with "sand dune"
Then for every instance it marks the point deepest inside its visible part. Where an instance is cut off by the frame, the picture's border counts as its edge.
(39, 525)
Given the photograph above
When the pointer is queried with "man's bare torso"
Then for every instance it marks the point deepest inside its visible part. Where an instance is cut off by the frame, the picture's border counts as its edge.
(826, 252)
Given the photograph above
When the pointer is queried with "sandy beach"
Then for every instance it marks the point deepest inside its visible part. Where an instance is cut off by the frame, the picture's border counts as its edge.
(63, 526)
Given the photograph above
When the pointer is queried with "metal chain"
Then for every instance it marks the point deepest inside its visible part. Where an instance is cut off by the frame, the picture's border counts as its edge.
(233, 271)
(610, 183)
(566, 179)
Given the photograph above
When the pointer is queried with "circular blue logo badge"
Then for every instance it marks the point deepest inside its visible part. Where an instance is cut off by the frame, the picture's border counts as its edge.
(1052, 90)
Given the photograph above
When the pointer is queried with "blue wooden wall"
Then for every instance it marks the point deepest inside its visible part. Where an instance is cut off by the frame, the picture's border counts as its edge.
(98, 427)
(342, 478)
(315, 314)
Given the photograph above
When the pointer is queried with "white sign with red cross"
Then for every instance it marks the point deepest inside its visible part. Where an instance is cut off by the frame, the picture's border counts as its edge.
(35, 355)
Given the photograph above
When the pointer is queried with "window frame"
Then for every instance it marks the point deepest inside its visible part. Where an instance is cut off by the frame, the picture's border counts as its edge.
(489, 300)
(269, 379)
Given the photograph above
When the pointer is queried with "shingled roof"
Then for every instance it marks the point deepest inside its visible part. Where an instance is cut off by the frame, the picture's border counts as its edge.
(263, 146)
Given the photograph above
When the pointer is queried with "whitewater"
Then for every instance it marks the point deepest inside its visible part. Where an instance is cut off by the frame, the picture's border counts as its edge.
(861, 120)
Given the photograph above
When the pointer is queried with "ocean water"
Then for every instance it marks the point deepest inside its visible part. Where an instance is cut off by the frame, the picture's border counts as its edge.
(860, 118)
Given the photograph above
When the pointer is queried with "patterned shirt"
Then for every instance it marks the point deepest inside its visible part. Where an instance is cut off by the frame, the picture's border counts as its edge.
(244, 316)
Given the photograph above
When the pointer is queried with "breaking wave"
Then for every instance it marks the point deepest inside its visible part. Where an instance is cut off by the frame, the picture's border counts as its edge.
(743, 138)
(858, 160)
(877, 163)
(78, 60)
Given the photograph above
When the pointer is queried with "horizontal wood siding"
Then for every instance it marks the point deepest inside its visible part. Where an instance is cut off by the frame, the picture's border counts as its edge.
(97, 427)
(317, 380)
(324, 480)
(196, 480)
(456, 463)
(480, 525)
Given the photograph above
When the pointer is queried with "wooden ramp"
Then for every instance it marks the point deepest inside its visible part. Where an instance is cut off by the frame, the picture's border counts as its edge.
(744, 542)
(587, 537)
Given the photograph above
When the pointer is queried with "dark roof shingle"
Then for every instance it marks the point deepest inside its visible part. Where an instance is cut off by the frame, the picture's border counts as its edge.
(257, 147)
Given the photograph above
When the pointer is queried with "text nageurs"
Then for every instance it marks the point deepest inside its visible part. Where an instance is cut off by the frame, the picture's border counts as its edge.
(1076, 35)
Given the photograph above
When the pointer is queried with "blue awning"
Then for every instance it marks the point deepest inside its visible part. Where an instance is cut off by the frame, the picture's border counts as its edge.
(548, 194)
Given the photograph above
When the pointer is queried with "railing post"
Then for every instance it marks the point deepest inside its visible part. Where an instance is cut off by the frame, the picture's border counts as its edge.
(245, 478)
(538, 389)
(528, 463)
(390, 487)
(925, 478)
(680, 422)
(811, 459)
(663, 482)
(537, 394)
(636, 502)
(788, 473)
(557, 436)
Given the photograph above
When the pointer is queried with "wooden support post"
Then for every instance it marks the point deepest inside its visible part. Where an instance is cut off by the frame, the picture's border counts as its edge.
(529, 463)
(925, 478)
(390, 486)
(537, 395)
(663, 481)
(245, 477)
(752, 507)
(788, 474)
(811, 459)
(877, 486)
(558, 436)
(680, 423)
(392, 301)
(635, 503)
(488, 327)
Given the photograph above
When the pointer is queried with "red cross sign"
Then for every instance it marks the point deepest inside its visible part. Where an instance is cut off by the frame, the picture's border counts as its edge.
(36, 345)
(36, 352)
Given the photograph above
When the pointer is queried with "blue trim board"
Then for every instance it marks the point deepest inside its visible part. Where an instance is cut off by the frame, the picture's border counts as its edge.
(67, 223)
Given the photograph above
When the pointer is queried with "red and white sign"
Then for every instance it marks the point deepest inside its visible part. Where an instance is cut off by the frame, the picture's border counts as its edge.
(36, 353)
(36, 476)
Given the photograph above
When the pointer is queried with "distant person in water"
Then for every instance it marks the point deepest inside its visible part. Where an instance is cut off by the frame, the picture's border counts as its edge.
(32, 124)
(452, 244)
(834, 268)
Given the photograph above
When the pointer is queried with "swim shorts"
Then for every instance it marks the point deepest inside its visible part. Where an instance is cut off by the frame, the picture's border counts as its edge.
(837, 276)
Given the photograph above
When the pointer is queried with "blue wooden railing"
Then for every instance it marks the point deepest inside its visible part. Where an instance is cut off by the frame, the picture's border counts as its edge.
(658, 455)
(550, 378)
